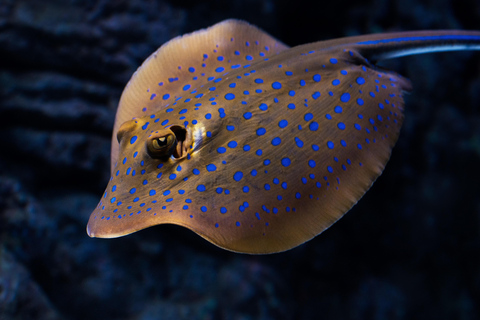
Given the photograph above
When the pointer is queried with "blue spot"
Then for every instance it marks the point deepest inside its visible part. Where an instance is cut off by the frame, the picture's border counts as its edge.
(220, 58)
(266, 186)
(284, 185)
(237, 224)
(247, 115)
(291, 106)
(315, 147)
(263, 107)
(208, 116)
(259, 152)
(166, 193)
(343, 143)
(211, 167)
(299, 142)
(266, 162)
(276, 141)
(381, 106)
(133, 139)
(166, 96)
(345, 97)
(159, 175)
(196, 172)
(238, 176)
(249, 57)
(344, 72)
(357, 126)
(308, 117)
(232, 85)
(113, 200)
(330, 145)
(333, 61)
(297, 195)
(261, 131)
(232, 144)
(172, 176)
(336, 82)
(276, 85)
(186, 87)
(203, 209)
(360, 102)
(359, 146)
(341, 126)
(201, 188)
(191, 69)
(317, 78)
(330, 169)
(219, 69)
(221, 150)
(311, 163)
(360, 80)
(246, 189)
(133, 190)
(253, 173)
(313, 126)
(372, 94)
(288, 73)
(152, 192)
(164, 122)
(338, 109)
(286, 162)
(230, 128)
(282, 123)
(316, 95)
(229, 96)
(246, 147)
(291, 93)
(258, 80)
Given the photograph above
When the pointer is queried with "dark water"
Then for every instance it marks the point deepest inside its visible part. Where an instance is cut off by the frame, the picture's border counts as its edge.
(409, 250)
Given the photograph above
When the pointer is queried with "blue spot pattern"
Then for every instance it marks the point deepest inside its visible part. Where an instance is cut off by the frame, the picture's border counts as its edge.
(280, 136)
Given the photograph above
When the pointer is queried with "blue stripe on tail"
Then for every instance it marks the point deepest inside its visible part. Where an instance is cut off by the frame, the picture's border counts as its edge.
(428, 38)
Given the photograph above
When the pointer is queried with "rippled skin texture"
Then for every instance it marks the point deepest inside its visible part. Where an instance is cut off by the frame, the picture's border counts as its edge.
(273, 144)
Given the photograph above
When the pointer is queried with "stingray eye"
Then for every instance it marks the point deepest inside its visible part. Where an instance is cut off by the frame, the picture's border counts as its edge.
(162, 142)
(161, 145)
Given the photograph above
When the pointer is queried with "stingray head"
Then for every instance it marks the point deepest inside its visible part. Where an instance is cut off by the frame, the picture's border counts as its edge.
(147, 167)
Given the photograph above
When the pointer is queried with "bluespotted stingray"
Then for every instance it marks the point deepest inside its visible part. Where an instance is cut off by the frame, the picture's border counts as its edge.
(255, 146)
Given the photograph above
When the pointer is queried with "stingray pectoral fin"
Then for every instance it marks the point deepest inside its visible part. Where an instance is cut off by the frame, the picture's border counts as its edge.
(328, 156)
(180, 66)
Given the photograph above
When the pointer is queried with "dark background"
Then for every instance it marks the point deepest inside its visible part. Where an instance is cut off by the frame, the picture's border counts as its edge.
(410, 249)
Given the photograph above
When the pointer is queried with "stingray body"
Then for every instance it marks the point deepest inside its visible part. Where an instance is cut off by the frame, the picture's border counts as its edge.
(255, 146)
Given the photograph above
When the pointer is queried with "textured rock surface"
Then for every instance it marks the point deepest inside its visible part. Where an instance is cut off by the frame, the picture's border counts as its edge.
(408, 250)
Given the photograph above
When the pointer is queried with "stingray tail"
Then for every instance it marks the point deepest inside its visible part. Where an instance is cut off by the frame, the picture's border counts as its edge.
(392, 45)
